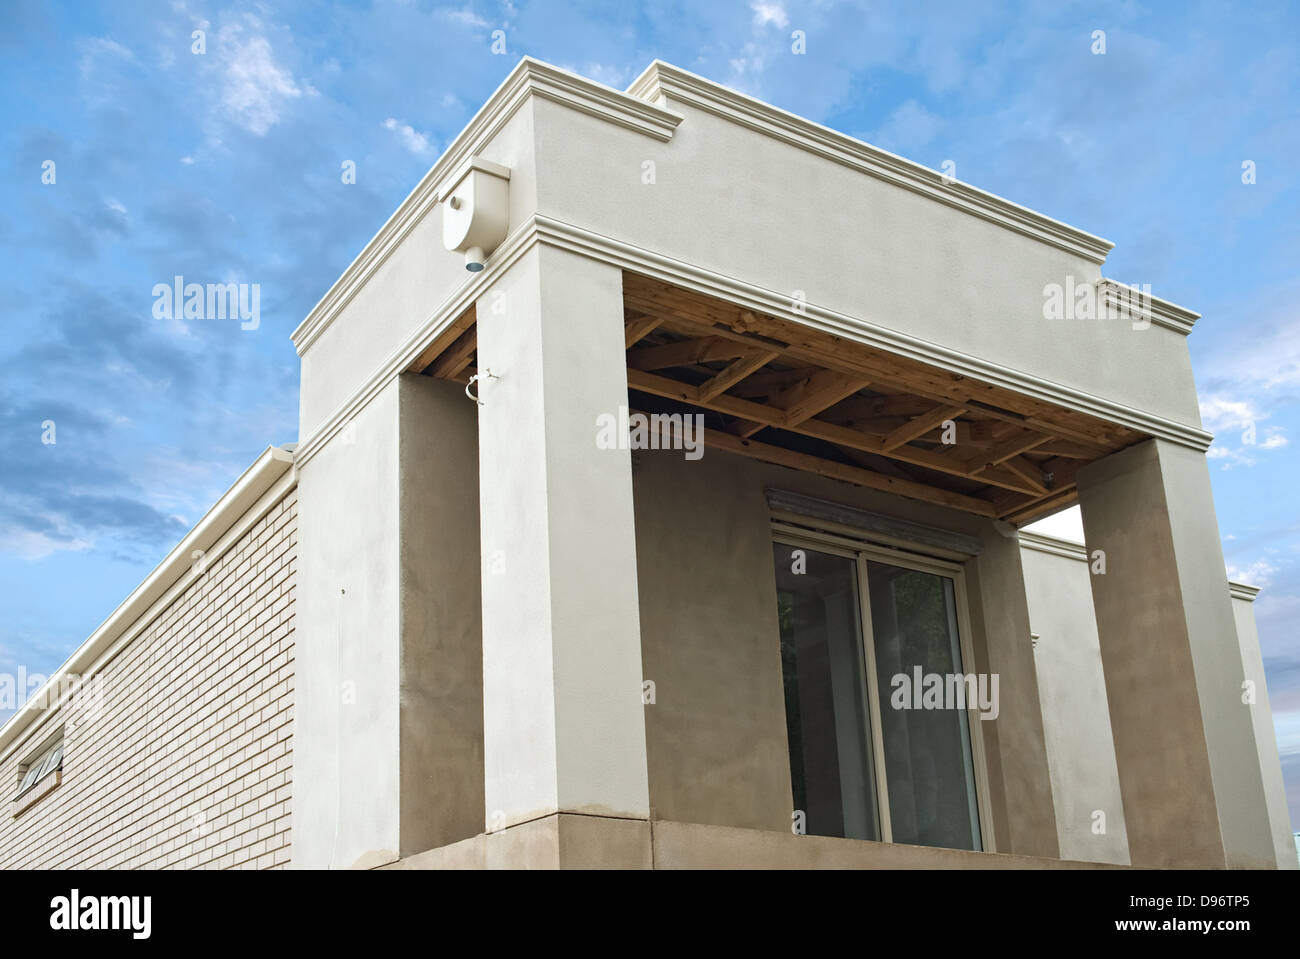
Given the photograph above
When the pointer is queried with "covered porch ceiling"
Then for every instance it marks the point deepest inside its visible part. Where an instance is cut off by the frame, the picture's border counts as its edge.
(784, 393)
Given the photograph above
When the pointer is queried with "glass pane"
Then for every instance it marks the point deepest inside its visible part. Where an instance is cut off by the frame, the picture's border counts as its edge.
(46, 764)
(928, 768)
(825, 692)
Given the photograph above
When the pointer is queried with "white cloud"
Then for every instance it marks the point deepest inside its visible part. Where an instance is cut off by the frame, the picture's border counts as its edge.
(98, 49)
(410, 138)
(462, 15)
(1259, 573)
(1270, 361)
(771, 11)
(32, 545)
(1239, 436)
(255, 88)
(1219, 412)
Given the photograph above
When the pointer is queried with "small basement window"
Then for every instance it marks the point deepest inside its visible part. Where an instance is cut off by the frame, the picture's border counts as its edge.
(39, 775)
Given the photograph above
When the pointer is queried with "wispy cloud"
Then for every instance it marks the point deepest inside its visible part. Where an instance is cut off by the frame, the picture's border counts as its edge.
(255, 87)
(409, 137)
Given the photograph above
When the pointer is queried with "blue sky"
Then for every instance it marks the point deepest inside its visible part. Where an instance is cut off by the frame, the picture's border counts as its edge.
(225, 167)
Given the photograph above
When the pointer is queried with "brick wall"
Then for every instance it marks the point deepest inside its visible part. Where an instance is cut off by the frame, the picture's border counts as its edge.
(187, 761)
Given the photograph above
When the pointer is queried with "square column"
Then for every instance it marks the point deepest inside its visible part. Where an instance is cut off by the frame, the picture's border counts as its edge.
(1020, 781)
(1185, 746)
(563, 721)
(387, 747)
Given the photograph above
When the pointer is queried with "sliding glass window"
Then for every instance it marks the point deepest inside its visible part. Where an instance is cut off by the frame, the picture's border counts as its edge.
(870, 757)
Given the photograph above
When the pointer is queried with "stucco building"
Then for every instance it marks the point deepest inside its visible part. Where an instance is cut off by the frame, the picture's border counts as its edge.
(472, 620)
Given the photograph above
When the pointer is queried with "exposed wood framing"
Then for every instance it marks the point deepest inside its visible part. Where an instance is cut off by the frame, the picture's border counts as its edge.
(876, 419)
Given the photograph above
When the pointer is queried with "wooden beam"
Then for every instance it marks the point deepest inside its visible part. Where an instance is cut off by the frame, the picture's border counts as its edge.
(823, 389)
(686, 353)
(805, 398)
(820, 430)
(637, 328)
(734, 373)
(767, 382)
(1008, 449)
(1064, 477)
(842, 471)
(920, 425)
(687, 310)
(1028, 472)
(443, 340)
(1077, 451)
(1038, 508)
(457, 356)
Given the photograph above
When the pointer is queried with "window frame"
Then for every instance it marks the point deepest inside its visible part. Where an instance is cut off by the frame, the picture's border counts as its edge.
(862, 551)
(49, 777)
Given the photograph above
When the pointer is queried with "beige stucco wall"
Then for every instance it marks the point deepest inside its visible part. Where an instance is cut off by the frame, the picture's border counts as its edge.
(188, 761)
(747, 205)
(716, 736)
(1076, 716)
(1243, 612)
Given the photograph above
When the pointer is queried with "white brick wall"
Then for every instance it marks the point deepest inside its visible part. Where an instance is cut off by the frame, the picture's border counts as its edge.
(188, 763)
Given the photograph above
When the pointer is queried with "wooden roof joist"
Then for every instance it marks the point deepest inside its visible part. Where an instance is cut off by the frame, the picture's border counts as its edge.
(892, 423)
(787, 393)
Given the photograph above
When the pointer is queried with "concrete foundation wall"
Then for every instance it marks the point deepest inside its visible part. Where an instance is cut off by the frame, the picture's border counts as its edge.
(185, 758)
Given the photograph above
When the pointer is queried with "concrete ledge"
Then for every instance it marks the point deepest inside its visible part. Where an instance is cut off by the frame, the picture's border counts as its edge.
(679, 845)
(559, 841)
(564, 841)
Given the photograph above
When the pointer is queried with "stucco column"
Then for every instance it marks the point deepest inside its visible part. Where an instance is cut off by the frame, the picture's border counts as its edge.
(564, 729)
(387, 755)
(1020, 781)
(1189, 769)
(1243, 601)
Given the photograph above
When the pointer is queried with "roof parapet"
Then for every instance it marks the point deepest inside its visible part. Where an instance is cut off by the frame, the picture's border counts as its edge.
(662, 83)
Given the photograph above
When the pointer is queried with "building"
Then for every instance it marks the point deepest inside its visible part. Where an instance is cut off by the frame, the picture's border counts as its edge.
(464, 623)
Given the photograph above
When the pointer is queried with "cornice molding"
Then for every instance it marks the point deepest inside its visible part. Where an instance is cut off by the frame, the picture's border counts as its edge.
(529, 78)
(1242, 591)
(1042, 543)
(662, 82)
(566, 236)
(1144, 306)
(761, 300)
